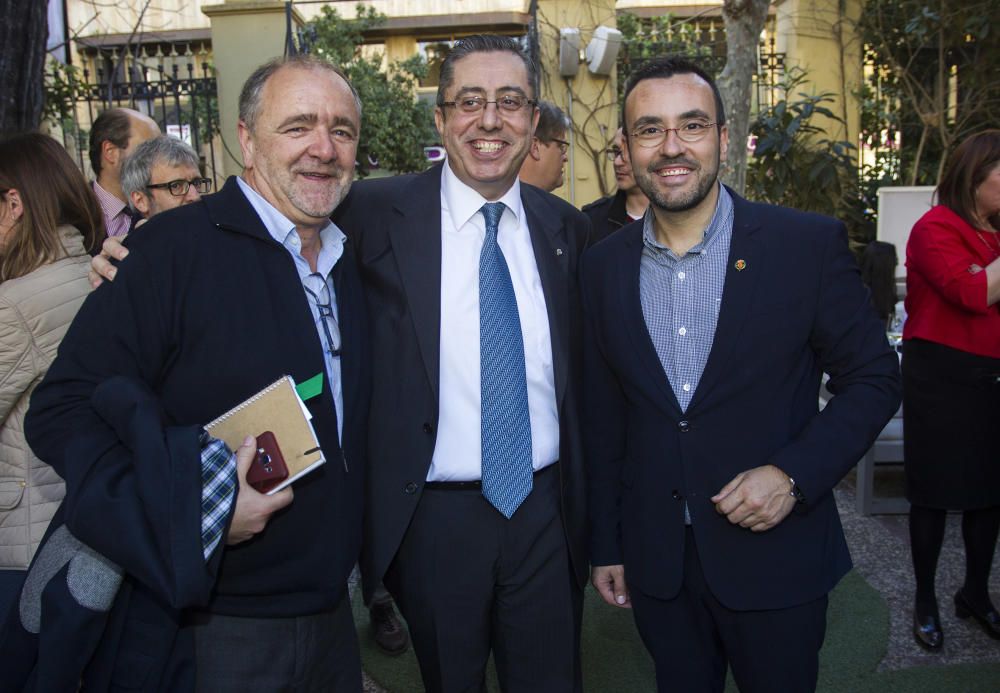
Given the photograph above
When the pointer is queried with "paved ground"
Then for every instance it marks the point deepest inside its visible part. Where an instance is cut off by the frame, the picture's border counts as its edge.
(880, 546)
(881, 550)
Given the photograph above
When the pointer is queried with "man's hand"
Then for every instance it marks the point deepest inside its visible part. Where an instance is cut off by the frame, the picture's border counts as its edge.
(253, 509)
(757, 499)
(610, 583)
(100, 265)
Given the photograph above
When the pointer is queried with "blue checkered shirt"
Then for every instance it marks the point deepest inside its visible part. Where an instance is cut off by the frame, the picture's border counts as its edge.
(681, 297)
(218, 489)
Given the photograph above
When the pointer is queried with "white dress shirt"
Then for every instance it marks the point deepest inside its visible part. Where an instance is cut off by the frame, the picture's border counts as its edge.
(458, 449)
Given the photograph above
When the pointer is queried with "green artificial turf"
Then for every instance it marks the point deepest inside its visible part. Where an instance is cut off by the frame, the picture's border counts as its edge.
(614, 660)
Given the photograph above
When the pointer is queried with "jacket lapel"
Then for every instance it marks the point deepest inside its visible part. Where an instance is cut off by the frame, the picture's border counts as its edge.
(634, 322)
(416, 246)
(549, 243)
(745, 256)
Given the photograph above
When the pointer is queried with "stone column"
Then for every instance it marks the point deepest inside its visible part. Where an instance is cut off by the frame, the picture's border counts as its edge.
(820, 36)
(245, 34)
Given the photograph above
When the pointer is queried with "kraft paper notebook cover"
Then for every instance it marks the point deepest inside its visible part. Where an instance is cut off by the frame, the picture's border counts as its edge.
(279, 409)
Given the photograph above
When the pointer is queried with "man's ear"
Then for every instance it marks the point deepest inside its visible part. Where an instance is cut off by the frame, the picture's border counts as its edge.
(110, 154)
(140, 202)
(535, 151)
(439, 120)
(246, 143)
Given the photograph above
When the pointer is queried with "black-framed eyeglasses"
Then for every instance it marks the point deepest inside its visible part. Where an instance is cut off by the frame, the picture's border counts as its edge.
(654, 135)
(505, 103)
(613, 153)
(563, 144)
(179, 187)
(323, 301)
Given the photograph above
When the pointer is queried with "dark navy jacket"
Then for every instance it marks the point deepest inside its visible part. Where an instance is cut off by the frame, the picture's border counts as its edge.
(207, 310)
(793, 307)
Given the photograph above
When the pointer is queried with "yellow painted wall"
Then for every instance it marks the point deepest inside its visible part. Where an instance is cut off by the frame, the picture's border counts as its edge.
(819, 36)
(590, 100)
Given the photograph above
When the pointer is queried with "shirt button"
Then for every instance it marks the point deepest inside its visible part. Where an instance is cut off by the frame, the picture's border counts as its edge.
(676, 495)
(683, 426)
(687, 387)
(681, 275)
(428, 428)
(683, 331)
(410, 488)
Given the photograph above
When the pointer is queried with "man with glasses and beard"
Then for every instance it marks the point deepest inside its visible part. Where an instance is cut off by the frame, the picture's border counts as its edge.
(708, 325)
(162, 173)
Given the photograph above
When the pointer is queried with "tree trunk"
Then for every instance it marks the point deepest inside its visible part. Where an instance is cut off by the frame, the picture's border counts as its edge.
(23, 33)
(744, 20)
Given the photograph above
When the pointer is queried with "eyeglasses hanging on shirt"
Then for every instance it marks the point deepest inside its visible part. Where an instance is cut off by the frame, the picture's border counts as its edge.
(318, 290)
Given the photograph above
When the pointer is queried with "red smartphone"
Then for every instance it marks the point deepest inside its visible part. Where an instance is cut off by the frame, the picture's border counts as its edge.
(268, 468)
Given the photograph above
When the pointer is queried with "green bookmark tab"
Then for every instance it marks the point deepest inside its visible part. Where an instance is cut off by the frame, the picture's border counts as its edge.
(310, 388)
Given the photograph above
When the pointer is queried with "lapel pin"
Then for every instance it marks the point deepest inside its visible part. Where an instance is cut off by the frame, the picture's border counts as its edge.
(740, 265)
(558, 251)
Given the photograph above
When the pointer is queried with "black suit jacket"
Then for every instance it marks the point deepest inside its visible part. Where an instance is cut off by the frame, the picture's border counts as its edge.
(796, 309)
(396, 226)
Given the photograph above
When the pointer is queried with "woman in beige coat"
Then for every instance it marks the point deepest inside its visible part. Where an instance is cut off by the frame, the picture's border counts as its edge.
(49, 221)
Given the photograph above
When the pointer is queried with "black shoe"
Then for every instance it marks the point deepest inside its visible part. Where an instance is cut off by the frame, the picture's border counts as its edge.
(927, 629)
(390, 634)
(988, 619)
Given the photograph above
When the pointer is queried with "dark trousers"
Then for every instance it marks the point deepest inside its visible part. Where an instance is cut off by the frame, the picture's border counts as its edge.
(692, 637)
(468, 580)
(305, 654)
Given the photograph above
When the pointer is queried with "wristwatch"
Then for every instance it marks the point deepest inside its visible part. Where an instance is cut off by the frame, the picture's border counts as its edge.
(796, 492)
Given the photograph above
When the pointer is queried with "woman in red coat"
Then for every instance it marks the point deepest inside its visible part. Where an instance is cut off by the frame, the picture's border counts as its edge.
(951, 382)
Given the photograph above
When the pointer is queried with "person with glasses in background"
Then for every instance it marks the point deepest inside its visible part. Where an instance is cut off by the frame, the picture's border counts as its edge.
(545, 164)
(608, 214)
(162, 173)
(708, 326)
(475, 516)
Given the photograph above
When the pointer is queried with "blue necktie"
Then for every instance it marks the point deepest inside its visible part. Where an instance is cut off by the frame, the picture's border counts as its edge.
(506, 425)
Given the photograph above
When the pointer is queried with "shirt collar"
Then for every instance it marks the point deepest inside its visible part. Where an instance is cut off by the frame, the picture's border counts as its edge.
(462, 202)
(283, 230)
(110, 204)
(720, 217)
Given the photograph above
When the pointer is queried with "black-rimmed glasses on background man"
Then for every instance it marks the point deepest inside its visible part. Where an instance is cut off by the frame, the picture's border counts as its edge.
(179, 187)
(563, 144)
(613, 153)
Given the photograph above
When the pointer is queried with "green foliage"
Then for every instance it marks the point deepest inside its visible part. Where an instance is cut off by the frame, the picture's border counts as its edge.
(63, 87)
(936, 80)
(395, 127)
(795, 166)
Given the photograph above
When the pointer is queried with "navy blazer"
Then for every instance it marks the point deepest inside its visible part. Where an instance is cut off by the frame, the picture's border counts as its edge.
(396, 226)
(793, 307)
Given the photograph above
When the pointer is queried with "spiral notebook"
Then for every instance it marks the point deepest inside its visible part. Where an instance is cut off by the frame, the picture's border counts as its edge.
(279, 409)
